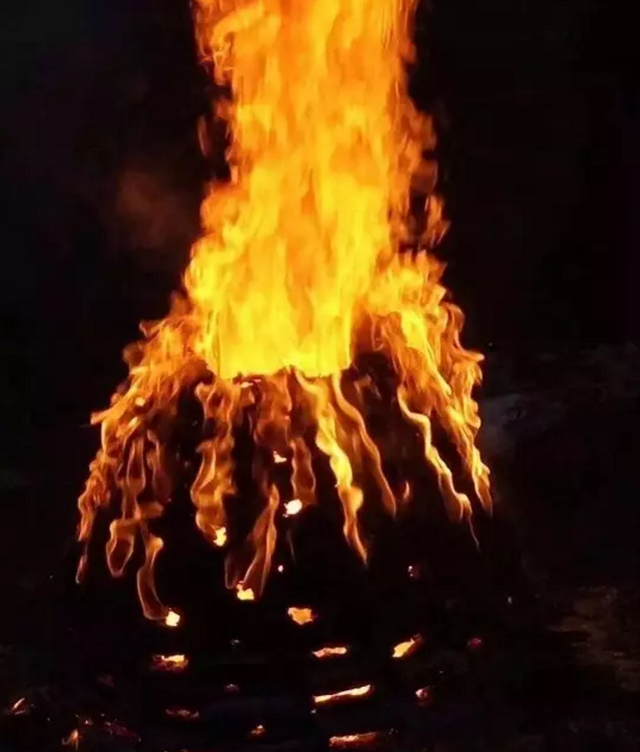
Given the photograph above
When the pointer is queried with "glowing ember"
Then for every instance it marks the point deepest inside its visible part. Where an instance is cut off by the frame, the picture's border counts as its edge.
(344, 695)
(414, 572)
(278, 458)
(407, 648)
(358, 741)
(475, 643)
(301, 273)
(231, 689)
(280, 568)
(73, 740)
(183, 714)
(423, 695)
(301, 616)
(172, 619)
(293, 507)
(330, 652)
(244, 594)
(20, 707)
(173, 663)
(258, 732)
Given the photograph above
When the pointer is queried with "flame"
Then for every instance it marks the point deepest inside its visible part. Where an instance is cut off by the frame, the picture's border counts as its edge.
(407, 648)
(172, 663)
(301, 616)
(346, 694)
(300, 272)
(330, 652)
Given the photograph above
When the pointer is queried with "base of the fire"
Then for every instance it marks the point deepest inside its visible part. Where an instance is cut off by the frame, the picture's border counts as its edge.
(396, 655)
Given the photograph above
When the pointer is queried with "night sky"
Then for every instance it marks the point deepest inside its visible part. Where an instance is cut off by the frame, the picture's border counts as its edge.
(537, 111)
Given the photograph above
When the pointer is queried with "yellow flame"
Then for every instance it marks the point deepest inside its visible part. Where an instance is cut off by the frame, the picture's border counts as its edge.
(300, 270)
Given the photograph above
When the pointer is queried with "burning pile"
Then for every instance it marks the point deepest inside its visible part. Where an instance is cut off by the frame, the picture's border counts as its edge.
(309, 266)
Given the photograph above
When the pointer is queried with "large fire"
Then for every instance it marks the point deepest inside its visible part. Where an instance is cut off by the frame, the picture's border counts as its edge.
(309, 261)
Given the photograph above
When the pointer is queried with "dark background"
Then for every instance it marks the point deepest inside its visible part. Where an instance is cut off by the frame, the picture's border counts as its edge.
(537, 110)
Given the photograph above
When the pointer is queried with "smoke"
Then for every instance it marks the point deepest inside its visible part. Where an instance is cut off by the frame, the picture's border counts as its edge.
(153, 217)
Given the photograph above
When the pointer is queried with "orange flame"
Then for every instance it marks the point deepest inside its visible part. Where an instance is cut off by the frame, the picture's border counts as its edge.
(346, 694)
(300, 271)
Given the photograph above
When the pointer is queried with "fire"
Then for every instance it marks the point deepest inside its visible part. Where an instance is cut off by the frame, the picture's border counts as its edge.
(358, 741)
(407, 648)
(293, 507)
(330, 652)
(171, 663)
(346, 694)
(172, 619)
(257, 732)
(20, 707)
(184, 714)
(301, 616)
(301, 271)
(73, 740)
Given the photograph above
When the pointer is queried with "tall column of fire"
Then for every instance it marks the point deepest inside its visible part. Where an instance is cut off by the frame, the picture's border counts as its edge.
(299, 271)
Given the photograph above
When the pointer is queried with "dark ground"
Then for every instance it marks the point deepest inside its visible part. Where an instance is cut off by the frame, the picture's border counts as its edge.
(538, 112)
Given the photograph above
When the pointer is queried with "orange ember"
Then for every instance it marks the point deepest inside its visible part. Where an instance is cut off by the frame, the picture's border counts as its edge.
(407, 648)
(344, 695)
(301, 269)
(367, 740)
(330, 652)
(301, 616)
(169, 663)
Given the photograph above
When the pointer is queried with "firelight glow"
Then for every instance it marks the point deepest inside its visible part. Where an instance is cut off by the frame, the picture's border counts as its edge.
(301, 270)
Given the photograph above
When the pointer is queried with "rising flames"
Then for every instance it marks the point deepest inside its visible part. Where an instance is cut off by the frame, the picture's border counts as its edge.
(308, 262)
